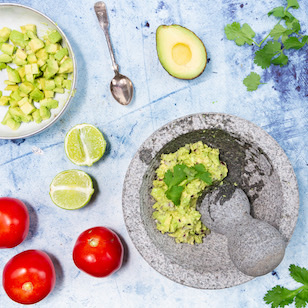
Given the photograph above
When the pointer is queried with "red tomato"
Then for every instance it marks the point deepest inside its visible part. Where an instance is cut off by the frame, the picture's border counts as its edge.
(14, 222)
(98, 251)
(29, 277)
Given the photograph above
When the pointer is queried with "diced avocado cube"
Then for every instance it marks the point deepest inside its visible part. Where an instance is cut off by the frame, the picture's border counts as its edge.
(37, 95)
(0, 93)
(59, 90)
(22, 72)
(49, 103)
(4, 34)
(26, 87)
(40, 62)
(6, 117)
(43, 68)
(37, 116)
(26, 37)
(38, 83)
(13, 103)
(44, 113)
(49, 93)
(54, 37)
(35, 69)
(42, 54)
(32, 58)
(51, 69)
(8, 82)
(13, 75)
(23, 101)
(29, 77)
(7, 48)
(4, 100)
(29, 27)
(15, 96)
(28, 69)
(11, 87)
(50, 84)
(58, 81)
(12, 124)
(18, 61)
(17, 38)
(27, 108)
(31, 34)
(67, 84)
(19, 115)
(21, 54)
(5, 58)
(22, 94)
(52, 48)
(36, 44)
(2, 66)
(61, 53)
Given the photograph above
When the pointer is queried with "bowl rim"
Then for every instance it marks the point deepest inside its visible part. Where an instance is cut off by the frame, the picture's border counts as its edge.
(74, 79)
(133, 181)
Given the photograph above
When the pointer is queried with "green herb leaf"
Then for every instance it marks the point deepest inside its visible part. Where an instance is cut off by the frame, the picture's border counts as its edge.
(174, 194)
(168, 177)
(281, 60)
(279, 297)
(305, 39)
(203, 174)
(277, 12)
(301, 299)
(180, 173)
(277, 31)
(239, 35)
(252, 81)
(175, 178)
(293, 42)
(293, 3)
(264, 56)
(299, 274)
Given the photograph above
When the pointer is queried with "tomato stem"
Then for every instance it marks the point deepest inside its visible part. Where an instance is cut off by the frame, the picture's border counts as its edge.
(93, 242)
(27, 286)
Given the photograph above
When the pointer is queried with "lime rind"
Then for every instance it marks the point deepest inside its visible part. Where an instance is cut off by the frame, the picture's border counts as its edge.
(84, 144)
(71, 189)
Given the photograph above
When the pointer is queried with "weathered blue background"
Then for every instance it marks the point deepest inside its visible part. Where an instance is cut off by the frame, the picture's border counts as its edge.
(279, 106)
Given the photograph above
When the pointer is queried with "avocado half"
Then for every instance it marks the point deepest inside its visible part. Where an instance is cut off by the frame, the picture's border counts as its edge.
(180, 51)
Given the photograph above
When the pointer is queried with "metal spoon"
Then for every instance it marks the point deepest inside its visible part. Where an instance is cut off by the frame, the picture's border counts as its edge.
(121, 87)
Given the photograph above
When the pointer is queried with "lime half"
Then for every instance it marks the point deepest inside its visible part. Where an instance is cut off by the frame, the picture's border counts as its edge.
(84, 144)
(71, 189)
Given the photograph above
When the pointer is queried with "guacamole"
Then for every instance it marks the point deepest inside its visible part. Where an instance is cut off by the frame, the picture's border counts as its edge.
(183, 221)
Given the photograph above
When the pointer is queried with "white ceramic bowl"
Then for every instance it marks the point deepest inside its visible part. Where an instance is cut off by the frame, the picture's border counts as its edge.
(13, 16)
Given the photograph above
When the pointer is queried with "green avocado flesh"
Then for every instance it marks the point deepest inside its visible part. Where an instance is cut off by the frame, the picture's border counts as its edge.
(36, 70)
(183, 221)
(180, 51)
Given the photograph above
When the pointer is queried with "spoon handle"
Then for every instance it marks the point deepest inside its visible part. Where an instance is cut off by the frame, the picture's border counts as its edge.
(101, 13)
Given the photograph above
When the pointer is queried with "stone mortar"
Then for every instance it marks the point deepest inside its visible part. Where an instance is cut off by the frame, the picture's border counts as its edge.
(256, 164)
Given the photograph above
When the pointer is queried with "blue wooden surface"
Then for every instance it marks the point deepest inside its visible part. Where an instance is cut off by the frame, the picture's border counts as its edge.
(279, 107)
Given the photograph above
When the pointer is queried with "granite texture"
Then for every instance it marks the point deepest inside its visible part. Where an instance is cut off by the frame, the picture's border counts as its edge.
(255, 247)
(255, 163)
(27, 166)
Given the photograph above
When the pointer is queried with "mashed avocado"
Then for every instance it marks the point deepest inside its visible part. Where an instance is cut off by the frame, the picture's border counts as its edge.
(183, 221)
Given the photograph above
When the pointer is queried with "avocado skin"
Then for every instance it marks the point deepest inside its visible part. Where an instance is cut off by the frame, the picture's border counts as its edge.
(163, 64)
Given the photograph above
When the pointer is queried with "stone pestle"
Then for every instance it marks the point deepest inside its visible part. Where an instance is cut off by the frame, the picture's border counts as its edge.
(255, 247)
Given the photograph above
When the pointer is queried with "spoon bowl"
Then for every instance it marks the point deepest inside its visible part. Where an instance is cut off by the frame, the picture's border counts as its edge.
(122, 89)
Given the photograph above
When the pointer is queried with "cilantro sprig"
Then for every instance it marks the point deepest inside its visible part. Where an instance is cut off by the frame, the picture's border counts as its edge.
(281, 296)
(181, 173)
(271, 51)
